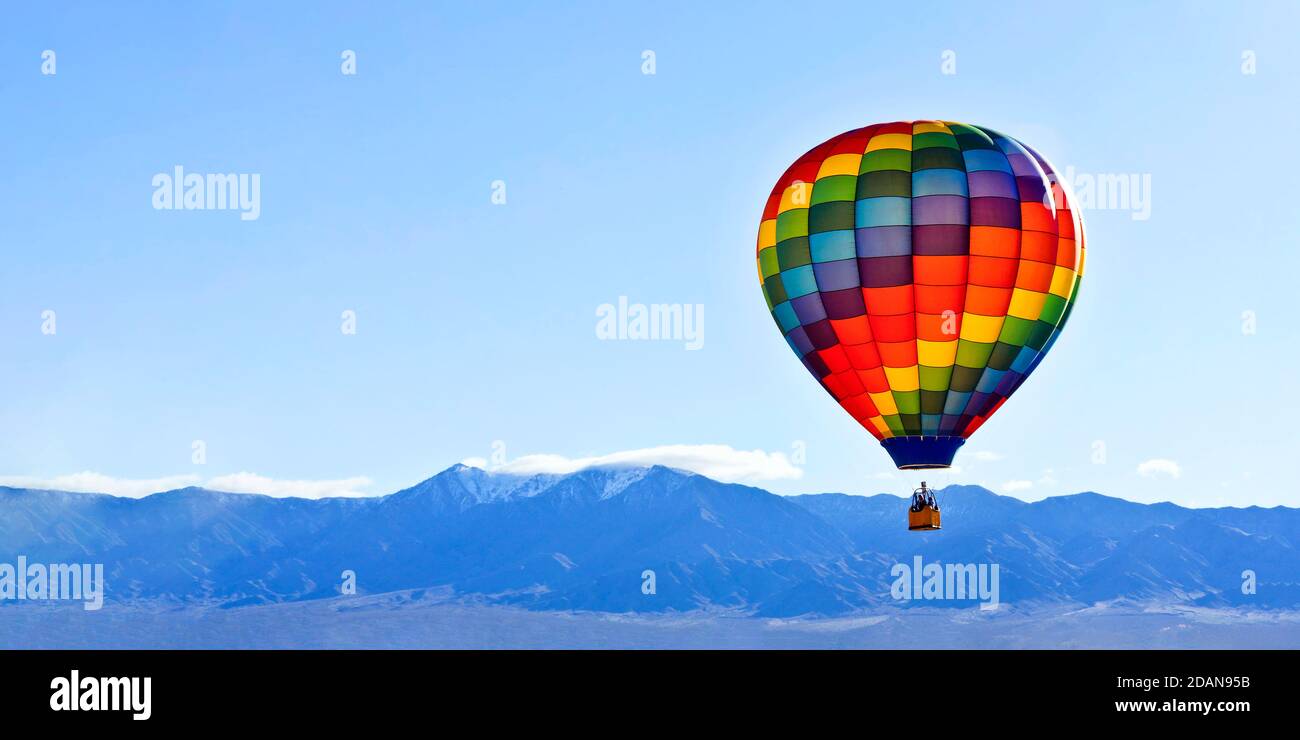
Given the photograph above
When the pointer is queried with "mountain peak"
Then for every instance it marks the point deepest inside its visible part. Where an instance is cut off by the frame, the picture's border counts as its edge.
(185, 491)
(470, 485)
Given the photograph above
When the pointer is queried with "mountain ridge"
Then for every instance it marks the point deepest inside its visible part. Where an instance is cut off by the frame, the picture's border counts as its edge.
(585, 540)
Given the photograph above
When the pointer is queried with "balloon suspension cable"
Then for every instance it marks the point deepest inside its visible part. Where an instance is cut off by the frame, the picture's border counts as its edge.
(918, 481)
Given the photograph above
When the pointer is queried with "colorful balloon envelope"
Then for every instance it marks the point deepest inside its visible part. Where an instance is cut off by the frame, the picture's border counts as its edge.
(921, 271)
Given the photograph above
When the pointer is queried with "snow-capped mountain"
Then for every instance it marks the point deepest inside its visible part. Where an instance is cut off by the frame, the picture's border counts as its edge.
(588, 539)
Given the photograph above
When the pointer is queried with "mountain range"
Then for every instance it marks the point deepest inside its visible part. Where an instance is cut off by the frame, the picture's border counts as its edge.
(586, 540)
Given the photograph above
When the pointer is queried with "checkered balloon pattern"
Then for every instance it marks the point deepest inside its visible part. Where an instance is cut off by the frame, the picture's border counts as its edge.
(921, 271)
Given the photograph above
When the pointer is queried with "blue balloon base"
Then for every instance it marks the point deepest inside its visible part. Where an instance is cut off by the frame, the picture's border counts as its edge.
(920, 453)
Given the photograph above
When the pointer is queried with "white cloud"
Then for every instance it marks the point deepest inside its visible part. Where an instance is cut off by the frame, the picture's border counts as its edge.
(985, 456)
(253, 483)
(88, 482)
(1017, 485)
(1159, 466)
(720, 462)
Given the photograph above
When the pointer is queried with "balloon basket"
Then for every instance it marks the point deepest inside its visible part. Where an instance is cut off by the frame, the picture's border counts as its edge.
(924, 520)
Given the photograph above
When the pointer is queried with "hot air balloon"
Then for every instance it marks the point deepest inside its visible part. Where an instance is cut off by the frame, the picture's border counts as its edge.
(921, 271)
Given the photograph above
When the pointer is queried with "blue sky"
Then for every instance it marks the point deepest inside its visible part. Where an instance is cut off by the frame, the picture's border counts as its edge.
(476, 321)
